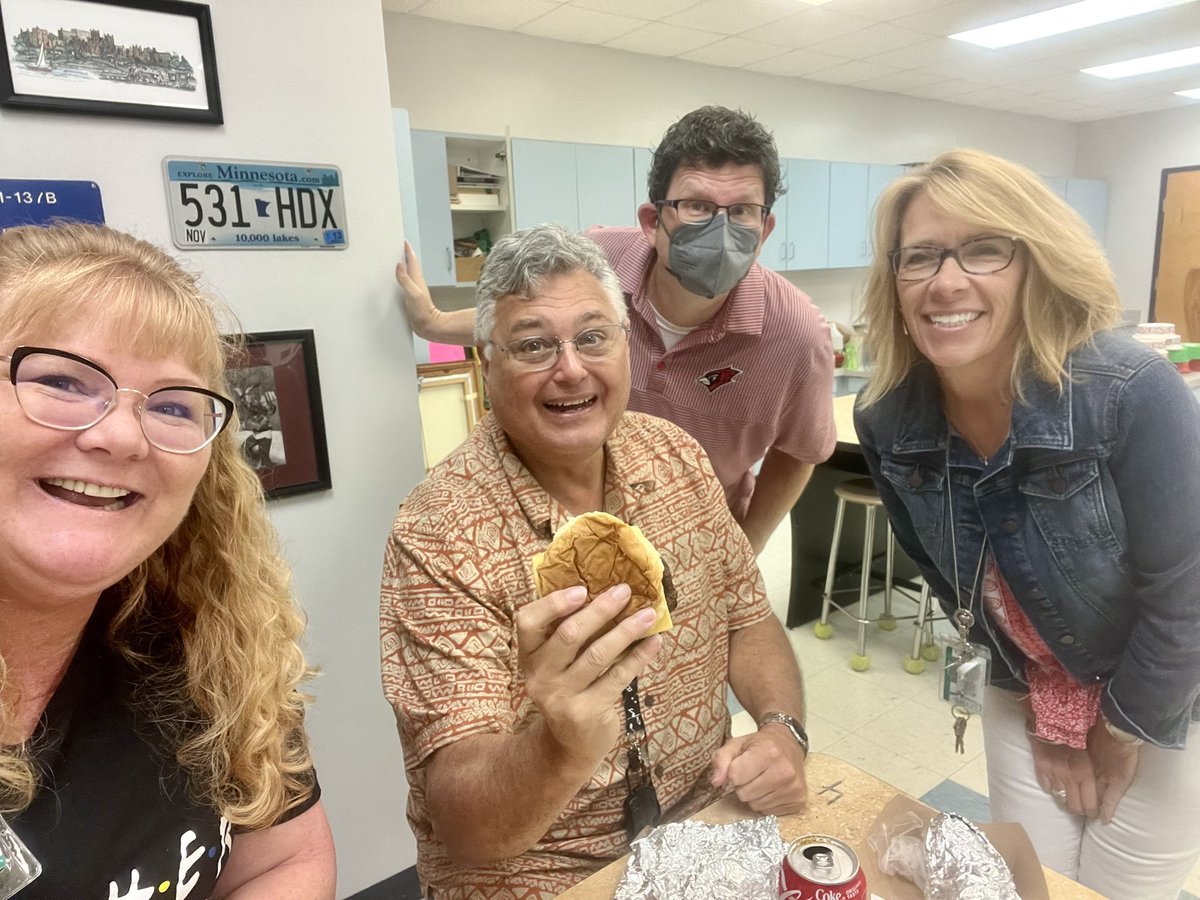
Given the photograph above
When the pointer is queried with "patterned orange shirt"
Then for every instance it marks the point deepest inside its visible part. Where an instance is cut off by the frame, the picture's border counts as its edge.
(457, 569)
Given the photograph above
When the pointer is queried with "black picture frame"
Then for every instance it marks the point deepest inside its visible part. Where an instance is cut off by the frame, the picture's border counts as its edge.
(126, 58)
(281, 423)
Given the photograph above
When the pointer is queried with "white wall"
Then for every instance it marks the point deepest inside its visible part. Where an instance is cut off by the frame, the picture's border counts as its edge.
(1130, 153)
(539, 88)
(301, 81)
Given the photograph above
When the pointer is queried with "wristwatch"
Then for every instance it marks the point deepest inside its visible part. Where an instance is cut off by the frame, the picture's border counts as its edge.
(797, 730)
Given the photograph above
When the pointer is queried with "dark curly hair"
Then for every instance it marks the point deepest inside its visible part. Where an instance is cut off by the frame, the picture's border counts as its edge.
(710, 137)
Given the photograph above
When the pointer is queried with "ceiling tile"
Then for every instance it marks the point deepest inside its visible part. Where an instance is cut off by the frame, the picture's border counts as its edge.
(400, 6)
(732, 16)
(734, 51)
(808, 27)
(651, 10)
(899, 46)
(659, 39)
(899, 81)
(870, 40)
(506, 16)
(880, 11)
(796, 62)
(583, 26)
(943, 89)
(851, 72)
(961, 16)
(937, 50)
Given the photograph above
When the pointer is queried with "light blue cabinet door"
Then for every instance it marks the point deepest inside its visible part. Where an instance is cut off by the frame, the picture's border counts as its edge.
(605, 185)
(436, 244)
(544, 183)
(848, 185)
(1089, 198)
(642, 157)
(878, 177)
(1056, 184)
(808, 213)
(774, 252)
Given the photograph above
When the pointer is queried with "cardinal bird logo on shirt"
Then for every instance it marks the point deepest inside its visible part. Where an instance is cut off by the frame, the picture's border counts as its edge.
(718, 377)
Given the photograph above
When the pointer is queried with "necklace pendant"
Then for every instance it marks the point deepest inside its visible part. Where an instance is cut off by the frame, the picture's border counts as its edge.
(964, 619)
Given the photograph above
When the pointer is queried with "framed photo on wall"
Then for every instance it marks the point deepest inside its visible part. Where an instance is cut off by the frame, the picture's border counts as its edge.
(281, 429)
(1175, 289)
(147, 59)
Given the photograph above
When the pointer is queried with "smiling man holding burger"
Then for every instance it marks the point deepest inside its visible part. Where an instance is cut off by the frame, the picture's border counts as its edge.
(541, 733)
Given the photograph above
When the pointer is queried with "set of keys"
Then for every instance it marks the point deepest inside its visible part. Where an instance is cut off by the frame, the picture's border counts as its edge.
(965, 676)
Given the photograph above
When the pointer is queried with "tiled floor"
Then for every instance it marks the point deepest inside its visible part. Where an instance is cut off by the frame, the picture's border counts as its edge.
(885, 721)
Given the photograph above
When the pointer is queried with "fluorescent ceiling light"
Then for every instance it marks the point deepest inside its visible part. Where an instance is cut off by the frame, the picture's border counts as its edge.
(1175, 59)
(1193, 94)
(1058, 21)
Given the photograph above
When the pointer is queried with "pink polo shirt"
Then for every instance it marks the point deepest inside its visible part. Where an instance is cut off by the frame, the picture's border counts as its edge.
(757, 375)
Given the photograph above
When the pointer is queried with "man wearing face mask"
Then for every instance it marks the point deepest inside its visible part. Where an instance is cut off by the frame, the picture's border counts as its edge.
(732, 352)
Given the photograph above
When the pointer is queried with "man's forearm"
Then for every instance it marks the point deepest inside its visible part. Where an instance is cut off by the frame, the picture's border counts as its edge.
(763, 671)
(780, 483)
(493, 796)
(456, 327)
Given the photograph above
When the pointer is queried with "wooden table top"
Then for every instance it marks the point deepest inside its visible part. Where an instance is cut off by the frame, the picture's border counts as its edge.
(843, 420)
(848, 818)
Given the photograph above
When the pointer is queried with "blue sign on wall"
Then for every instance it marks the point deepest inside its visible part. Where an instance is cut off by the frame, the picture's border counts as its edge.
(36, 202)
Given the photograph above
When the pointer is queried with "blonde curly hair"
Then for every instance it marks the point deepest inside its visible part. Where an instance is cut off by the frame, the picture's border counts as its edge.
(1068, 293)
(208, 622)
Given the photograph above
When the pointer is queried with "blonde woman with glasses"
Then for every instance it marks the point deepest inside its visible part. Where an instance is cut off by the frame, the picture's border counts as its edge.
(151, 723)
(1043, 473)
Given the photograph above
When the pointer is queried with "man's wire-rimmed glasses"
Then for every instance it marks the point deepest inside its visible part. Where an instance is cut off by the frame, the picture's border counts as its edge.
(701, 212)
(71, 393)
(977, 256)
(537, 352)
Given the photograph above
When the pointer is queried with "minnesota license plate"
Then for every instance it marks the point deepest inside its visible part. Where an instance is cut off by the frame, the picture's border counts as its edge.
(240, 204)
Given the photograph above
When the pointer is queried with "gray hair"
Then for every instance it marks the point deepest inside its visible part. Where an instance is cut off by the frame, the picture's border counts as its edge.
(520, 262)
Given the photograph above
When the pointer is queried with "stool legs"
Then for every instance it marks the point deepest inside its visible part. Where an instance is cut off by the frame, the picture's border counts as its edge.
(823, 629)
(923, 647)
(860, 662)
(887, 621)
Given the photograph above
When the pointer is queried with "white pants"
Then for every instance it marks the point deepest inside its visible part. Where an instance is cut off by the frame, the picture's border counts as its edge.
(1153, 842)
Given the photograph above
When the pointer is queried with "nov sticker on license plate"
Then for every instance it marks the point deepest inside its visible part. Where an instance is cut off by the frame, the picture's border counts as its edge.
(229, 203)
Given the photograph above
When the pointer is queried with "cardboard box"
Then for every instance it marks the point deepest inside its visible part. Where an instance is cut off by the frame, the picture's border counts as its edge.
(467, 268)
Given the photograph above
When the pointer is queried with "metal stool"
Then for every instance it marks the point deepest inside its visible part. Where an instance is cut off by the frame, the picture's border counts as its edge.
(923, 647)
(861, 492)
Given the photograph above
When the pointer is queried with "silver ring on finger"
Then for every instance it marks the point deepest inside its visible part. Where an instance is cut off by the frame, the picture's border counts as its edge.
(1059, 794)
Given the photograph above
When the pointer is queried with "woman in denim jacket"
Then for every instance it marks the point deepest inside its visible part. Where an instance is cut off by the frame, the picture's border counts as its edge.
(1044, 474)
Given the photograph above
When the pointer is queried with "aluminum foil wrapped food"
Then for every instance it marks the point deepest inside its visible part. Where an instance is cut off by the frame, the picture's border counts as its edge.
(684, 860)
(962, 864)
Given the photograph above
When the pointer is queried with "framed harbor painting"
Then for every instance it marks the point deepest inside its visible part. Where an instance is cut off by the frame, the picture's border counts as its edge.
(149, 59)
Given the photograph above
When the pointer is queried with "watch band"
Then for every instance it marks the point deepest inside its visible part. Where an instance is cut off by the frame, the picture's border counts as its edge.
(1121, 735)
(781, 718)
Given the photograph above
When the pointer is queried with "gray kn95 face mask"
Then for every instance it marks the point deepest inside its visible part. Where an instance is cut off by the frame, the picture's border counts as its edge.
(710, 259)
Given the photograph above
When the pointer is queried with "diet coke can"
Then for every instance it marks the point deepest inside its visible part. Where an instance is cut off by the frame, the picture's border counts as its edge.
(817, 867)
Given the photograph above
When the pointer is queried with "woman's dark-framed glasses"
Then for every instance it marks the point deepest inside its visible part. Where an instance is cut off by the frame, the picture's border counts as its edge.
(68, 392)
(978, 256)
(701, 212)
(538, 352)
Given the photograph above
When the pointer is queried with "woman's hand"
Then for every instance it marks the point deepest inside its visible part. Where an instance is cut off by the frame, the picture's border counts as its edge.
(1068, 774)
(1114, 763)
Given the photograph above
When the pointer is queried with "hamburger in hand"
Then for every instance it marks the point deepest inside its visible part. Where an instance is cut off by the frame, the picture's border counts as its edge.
(598, 551)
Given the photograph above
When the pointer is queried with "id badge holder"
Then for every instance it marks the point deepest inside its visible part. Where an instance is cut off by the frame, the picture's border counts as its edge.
(18, 867)
(966, 673)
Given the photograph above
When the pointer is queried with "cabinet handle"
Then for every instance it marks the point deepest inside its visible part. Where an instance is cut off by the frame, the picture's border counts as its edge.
(449, 259)
(791, 249)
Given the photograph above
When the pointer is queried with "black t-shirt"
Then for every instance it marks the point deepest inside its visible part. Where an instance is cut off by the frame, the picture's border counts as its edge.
(113, 819)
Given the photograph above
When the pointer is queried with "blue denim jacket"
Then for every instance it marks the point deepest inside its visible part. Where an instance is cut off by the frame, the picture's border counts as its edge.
(1092, 511)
